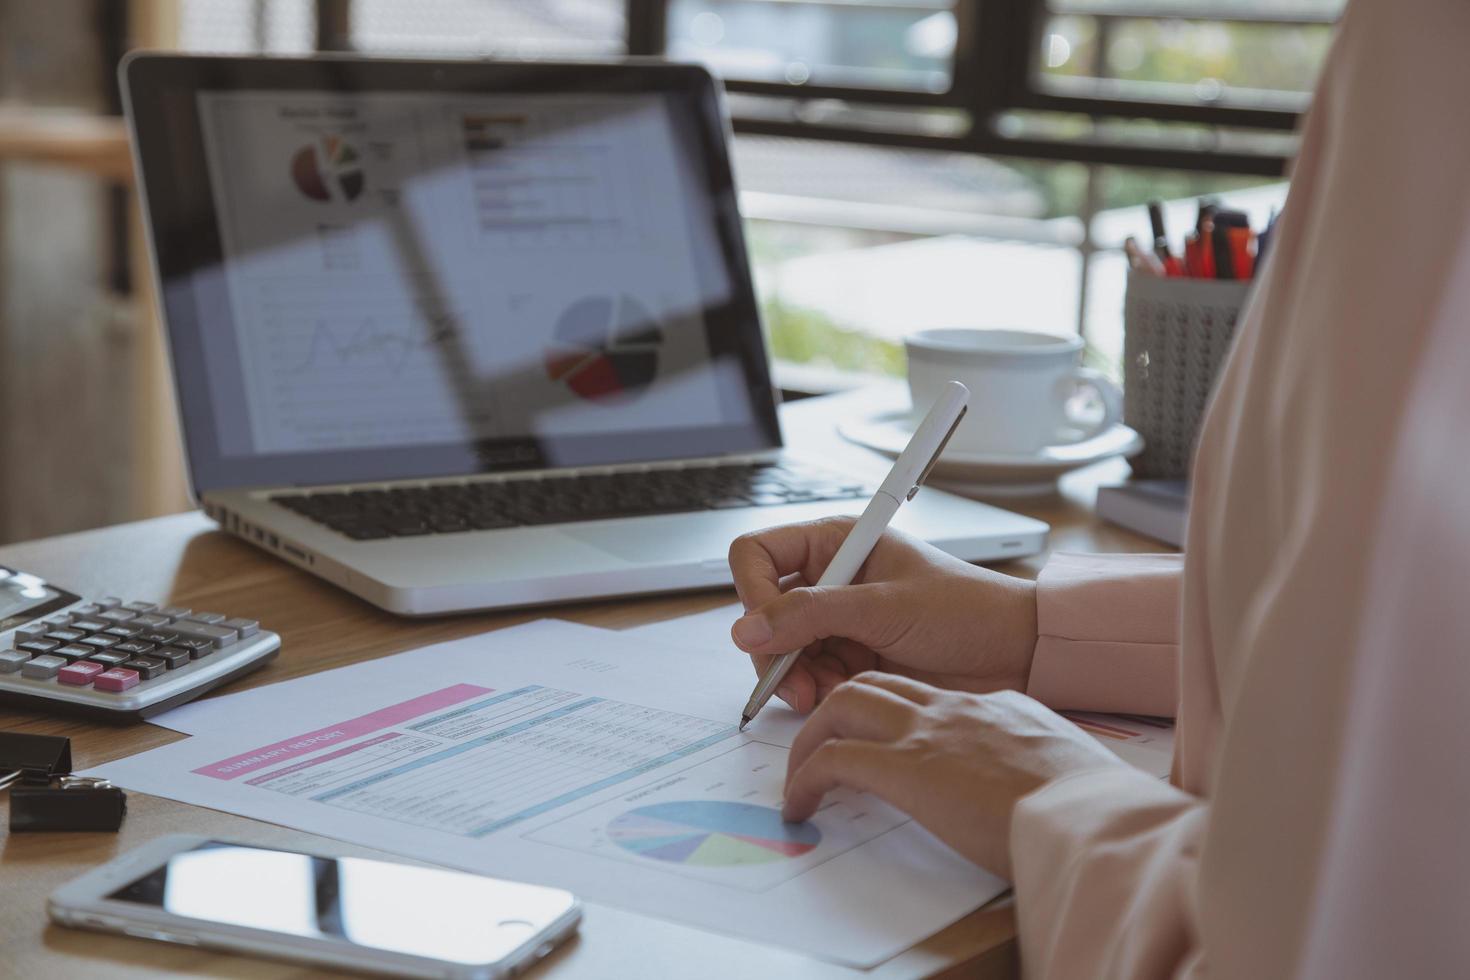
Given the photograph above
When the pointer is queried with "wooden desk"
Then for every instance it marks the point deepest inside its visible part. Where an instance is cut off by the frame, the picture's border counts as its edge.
(185, 560)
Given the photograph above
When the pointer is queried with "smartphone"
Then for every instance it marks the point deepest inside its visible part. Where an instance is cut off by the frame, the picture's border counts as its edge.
(350, 913)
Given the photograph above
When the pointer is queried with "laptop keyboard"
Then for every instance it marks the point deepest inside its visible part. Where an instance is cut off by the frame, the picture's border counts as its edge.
(448, 508)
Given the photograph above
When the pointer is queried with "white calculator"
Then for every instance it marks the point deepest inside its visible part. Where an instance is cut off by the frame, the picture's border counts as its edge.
(115, 660)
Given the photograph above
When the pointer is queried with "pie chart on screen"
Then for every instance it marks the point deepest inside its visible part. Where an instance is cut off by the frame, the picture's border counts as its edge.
(329, 169)
(605, 349)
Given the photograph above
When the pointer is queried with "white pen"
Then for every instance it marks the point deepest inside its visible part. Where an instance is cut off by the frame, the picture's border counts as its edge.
(908, 474)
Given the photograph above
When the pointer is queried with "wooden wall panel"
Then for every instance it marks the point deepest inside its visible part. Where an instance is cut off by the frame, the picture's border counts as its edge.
(88, 435)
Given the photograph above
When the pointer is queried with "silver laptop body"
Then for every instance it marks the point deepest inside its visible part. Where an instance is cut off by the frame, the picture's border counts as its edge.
(465, 335)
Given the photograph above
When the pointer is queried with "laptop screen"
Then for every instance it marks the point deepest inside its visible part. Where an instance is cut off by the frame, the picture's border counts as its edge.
(385, 282)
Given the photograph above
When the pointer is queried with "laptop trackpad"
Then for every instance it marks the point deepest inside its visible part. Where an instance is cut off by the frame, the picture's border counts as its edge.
(668, 541)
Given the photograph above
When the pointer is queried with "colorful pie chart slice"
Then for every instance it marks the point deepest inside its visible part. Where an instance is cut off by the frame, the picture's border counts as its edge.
(317, 168)
(713, 834)
(604, 349)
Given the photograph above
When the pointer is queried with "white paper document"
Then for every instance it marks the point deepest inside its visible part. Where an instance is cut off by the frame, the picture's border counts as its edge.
(580, 758)
(698, 647)
(709, 630)
(1147, 743)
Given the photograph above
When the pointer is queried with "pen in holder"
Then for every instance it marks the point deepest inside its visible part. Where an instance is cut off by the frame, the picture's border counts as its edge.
(1176, 334)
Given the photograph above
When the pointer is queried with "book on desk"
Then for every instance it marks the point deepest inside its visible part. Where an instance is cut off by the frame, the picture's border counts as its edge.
(1157, 508)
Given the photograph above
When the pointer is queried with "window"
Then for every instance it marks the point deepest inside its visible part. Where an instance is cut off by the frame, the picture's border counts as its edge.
(1216, 81)
(880, 45)
(509, 28)
(908, 163)
(246, 26)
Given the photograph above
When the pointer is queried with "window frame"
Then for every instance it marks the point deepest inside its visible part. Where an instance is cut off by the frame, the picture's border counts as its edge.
(995, 73)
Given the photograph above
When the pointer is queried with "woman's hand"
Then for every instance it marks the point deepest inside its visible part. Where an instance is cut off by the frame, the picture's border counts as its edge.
(913, 610)
(956, 762)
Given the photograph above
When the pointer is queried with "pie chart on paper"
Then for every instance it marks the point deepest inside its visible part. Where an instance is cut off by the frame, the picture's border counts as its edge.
(711, 834)
(605, 349)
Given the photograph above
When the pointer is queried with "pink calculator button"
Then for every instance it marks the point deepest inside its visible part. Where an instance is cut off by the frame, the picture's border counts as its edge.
(116, 679)
(80, 673)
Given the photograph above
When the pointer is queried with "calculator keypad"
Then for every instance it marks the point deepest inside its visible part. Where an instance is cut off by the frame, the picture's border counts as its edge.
(79, 674)
(172, 657)
(114, 646)
(146, 668)
(12, 660)
(216, 635)
(42, 667)
(117, 679)
(196, 648)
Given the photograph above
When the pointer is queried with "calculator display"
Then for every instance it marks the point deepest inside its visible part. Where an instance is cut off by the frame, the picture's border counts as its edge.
(25, 597)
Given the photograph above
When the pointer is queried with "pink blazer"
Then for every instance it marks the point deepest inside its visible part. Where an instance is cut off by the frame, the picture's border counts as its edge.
(1317, 642)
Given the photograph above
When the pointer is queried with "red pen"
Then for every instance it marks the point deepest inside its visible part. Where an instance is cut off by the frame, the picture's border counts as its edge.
(1199, 261)
(1243, 251)
(1232, 245)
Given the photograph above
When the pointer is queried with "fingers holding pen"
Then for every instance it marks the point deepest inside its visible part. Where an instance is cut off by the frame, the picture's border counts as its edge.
(761, 559)
(802, 616)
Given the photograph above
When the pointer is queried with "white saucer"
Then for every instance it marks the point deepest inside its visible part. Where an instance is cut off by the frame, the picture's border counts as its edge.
(889, 431)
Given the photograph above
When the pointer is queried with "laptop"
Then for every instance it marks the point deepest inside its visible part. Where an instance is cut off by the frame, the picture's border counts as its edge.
(465, 335)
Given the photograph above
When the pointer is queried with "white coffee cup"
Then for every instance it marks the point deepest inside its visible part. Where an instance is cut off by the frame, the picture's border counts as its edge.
(1021, 386)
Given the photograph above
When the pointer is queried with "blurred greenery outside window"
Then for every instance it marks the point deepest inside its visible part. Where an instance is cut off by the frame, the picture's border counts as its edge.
(842, 298)
(856, 243)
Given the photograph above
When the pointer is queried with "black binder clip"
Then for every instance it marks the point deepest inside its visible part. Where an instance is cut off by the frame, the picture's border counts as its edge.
(33, 758)
(68, 803)
(44, 796)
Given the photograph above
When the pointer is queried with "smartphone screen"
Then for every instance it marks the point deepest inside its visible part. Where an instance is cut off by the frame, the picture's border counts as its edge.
(430, 912)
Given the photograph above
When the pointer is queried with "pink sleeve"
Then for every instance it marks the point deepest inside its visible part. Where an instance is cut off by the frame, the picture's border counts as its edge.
(1104, 863)
(1108, 634)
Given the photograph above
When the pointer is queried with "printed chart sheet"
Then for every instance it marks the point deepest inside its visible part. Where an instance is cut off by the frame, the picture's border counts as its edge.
(574, 757)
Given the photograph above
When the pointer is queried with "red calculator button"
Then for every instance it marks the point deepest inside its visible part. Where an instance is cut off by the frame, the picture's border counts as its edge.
(81, 673)
(116, 679)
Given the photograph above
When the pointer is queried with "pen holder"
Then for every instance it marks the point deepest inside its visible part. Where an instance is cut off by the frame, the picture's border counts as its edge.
(1176, 335)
